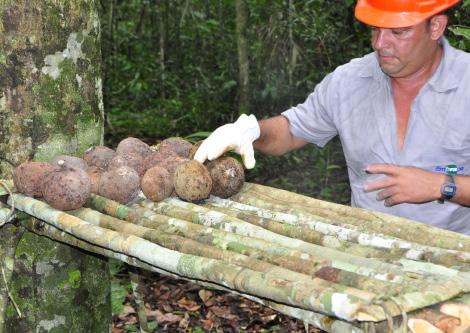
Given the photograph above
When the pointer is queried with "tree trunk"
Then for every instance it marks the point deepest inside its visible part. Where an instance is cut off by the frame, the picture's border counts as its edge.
(50, 104)
(243, 62)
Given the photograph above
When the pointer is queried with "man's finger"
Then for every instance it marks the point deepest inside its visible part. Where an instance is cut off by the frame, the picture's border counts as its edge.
(248, 156)
(382, 195)
(378, 184)
(386, 169)
(201, 153)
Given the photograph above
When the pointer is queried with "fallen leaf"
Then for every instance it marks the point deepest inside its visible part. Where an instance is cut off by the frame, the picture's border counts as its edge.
(184, 323)
(267, 319)
(207, 325)
(126, 310)
(167, 308)
(205, 295)
(188, 304)
(223, 312)
(164, 318)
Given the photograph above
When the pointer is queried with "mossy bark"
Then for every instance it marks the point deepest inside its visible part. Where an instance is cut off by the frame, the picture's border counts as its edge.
(50, 104)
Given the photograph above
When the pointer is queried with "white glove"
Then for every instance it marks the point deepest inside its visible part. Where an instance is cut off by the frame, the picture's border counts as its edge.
(237, 136)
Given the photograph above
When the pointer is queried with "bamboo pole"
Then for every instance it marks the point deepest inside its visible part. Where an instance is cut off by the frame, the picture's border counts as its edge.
(322, 232)
(321, 321)
(409, 300)
(174, 242)
(185, 210)
(295, 312)
(365, 220)
(430, 294)
(243, 244)
(320, 295)
(298, 229)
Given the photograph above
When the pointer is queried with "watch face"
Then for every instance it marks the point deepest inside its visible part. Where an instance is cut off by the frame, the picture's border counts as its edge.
(449, 189)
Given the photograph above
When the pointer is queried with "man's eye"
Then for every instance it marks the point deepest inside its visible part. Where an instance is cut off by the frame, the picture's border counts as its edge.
(398, 32)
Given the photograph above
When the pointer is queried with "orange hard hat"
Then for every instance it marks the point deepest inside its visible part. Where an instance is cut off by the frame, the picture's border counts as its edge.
(399, 13)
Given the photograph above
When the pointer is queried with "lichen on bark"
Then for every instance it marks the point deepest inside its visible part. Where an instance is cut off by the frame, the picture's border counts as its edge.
(50, 103)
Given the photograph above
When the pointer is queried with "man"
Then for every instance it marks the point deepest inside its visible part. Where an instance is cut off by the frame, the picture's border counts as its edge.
(399, 112)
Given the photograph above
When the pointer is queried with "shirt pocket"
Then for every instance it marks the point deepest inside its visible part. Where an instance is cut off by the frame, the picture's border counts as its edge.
(446, 159)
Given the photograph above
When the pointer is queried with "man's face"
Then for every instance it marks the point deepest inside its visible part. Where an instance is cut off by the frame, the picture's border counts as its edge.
(403, 51)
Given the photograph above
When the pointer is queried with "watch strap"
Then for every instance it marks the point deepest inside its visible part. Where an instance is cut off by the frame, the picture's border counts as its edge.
(448, 189)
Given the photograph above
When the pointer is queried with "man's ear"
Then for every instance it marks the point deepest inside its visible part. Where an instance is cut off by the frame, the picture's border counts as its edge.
(438, 25)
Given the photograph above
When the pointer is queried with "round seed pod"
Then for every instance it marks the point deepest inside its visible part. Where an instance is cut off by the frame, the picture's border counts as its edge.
(178, 145)
(192, 181)
(194, 149)
(95, 174)
(157, 184)
(135, 146)
(65, 187)
(28, 177)
(134, 161)
(70, 162)
(120, 184)
(227, 176)
(156, 158)
(172, 162)
(98, 156)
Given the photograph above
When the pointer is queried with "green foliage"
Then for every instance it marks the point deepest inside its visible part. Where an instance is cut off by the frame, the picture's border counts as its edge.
(118, 295)
(131, 328)
(119, 287)
(152, 325)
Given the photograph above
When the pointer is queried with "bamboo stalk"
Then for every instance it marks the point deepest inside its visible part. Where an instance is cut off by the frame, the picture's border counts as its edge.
(244, 244)
(315, 230)
(431, 293)
(180, 209)
(321, 321)
(299, 230)
(319, 295)
(365, 220)
(337, 303)
(161, 236)
(328, 324)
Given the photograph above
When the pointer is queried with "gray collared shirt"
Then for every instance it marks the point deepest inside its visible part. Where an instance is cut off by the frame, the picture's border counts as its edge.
(356, 103)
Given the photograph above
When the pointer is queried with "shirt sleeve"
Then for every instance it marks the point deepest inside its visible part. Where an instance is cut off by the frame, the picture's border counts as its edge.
(313, 120)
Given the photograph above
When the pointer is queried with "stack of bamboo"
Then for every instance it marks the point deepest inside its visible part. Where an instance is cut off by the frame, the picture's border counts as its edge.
(336, 267)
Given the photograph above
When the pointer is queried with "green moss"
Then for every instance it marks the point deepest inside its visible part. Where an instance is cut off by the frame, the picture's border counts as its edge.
(73, 280)
(186, 265)
(237, 247)
(70, 121)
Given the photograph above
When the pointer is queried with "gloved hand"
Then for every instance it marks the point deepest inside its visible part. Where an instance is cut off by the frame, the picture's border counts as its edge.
(237, 136)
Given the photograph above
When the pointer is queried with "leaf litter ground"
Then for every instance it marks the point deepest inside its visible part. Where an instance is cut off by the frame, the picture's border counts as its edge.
(178, 306)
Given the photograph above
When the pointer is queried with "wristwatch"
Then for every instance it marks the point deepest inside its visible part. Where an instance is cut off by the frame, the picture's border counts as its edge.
(448, 189)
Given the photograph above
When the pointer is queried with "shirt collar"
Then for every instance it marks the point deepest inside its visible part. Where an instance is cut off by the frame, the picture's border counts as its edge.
(442, 80)
(445, 78)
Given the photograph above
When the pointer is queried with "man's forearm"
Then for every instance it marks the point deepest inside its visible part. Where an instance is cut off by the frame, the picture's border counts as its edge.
(275, 137)
(462, 196)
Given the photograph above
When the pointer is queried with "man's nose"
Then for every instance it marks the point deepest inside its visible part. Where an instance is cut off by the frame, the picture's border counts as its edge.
(380, 38)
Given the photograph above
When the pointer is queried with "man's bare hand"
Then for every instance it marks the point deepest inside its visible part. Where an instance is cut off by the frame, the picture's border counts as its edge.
(461, 323)
(404, 184)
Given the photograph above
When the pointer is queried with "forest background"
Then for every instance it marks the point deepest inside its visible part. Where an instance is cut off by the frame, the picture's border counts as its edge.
(179, 68)
(185, 67)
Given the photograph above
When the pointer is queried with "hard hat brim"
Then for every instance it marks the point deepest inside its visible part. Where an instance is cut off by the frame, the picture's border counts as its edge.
(386, 19)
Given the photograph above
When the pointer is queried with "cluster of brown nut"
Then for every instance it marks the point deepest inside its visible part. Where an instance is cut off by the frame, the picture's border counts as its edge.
(167, 169)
